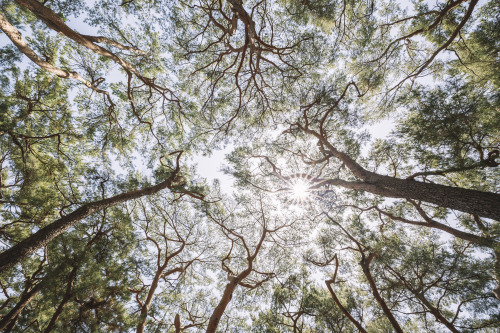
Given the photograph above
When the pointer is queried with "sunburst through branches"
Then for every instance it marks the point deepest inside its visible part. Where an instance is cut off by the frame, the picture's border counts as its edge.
(304, 188)
(300, 189)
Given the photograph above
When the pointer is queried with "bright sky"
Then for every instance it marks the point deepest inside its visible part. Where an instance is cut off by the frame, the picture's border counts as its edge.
(208, 167)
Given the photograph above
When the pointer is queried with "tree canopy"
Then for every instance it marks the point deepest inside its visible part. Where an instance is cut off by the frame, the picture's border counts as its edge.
(364, 141)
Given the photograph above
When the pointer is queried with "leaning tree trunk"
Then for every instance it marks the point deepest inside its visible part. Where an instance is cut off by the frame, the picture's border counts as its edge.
(64, 301)
(342, 308)
(147, 304)
(224, 301)
(42, 237)
(9, 320)
(365, 265)
(485, 204)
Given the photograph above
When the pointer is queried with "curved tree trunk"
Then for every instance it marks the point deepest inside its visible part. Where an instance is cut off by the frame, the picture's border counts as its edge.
(42, 237)
(484, 204)
(226, 298)
(365, 263)
(342, 308)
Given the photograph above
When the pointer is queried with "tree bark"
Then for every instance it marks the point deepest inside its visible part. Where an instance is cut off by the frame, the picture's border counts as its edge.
(435, 312)
(342, 308)
(234, 280)
(177, 323)
(485, 204)
(53, 21)
(16, 38)
(226, 298)
(65, 299)
(42, 237)
(149, 299)
(365, 263)
(420, 296)
(7, 323)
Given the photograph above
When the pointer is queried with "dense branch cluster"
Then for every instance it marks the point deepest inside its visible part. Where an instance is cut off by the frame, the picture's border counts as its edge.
(364, 142)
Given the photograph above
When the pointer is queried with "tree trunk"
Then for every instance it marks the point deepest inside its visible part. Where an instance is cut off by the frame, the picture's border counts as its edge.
(7, 323)
(65, 299)
(221, 307)
(485, 204)
(434, 311)
(149, 299)
(342, 308)
(365, 263)
(226, 298)
(42, 237)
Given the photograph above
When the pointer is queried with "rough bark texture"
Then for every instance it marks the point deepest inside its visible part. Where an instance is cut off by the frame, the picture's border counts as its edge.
(485, 204)
(42, 237)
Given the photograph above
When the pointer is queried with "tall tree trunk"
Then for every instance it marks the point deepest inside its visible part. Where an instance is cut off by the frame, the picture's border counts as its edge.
(42, 237)
(65, 299)
(234, 280)
(342, 308)
(485, 204)
(7, 323)
(177, 323)
(147, 304)
(496, 272)
(226, 298)
(365, 263)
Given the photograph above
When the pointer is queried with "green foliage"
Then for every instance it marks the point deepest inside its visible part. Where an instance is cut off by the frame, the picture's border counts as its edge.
(295, 88)
(455, 125)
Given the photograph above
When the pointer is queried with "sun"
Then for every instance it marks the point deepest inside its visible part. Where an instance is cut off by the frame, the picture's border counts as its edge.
(300, 190)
